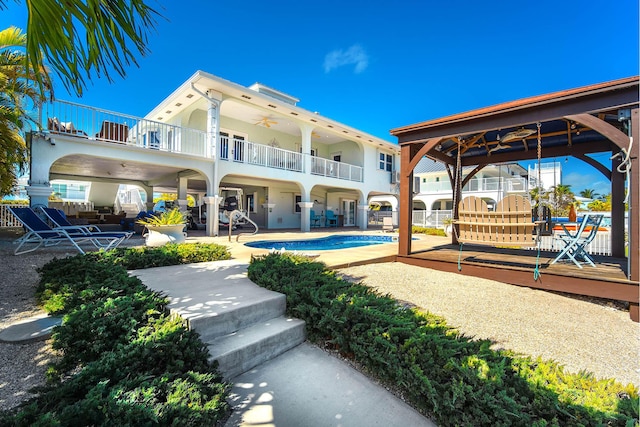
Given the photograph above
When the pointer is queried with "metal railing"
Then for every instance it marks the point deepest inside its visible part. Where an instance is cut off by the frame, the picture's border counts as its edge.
(242, 151)
(516, 184)
(434, 219)
(333, 169)
(71, 119)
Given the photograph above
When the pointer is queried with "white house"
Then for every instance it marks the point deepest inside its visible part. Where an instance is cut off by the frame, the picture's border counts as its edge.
(210, 135)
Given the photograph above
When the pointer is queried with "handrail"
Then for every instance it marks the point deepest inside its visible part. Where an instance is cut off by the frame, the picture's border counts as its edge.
(240, 214)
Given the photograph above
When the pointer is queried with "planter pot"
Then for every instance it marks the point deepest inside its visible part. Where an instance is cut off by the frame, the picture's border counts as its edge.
(159, 235)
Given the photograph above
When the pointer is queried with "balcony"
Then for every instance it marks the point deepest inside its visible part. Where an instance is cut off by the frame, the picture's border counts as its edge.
(70, 119)
(75, 120)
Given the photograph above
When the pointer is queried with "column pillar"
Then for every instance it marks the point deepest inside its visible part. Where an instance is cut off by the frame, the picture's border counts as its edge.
(39, 194)
(213, 137)
(305, 216)
(406, 191)
(182, 192)
(305, 132)
(363, 215)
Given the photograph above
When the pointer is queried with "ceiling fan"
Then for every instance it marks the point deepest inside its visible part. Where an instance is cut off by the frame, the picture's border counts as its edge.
(266, 122)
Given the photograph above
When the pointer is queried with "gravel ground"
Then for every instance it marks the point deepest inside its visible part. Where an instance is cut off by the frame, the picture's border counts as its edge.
(581, 335)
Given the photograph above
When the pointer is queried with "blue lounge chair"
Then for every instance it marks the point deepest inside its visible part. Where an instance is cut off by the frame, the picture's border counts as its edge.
(332, 219)
(58, 218)
(39, 233)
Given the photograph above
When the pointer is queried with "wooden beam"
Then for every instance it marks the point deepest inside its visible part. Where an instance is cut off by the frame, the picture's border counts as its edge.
(603, 128)
(414, 158)
(406, 201)
(595, 164)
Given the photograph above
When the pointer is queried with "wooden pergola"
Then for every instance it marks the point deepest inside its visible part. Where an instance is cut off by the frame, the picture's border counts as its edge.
(601, 118)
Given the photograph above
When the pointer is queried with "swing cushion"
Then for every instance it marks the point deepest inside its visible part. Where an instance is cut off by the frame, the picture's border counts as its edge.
(510, 224)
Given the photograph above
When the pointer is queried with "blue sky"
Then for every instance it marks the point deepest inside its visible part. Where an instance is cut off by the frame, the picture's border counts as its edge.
(378, 65)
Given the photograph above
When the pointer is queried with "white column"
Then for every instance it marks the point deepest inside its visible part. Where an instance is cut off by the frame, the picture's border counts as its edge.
(305, 132)
(305, 216)
(363, 216)
(213, 136)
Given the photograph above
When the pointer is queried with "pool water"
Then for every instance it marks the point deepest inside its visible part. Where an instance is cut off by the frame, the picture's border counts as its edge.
(323, 244)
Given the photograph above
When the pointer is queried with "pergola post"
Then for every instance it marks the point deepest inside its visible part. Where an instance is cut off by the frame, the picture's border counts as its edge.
(406, 202)
(634, 210)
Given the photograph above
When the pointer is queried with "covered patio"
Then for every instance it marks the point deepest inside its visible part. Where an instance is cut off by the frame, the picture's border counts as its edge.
(601, 118)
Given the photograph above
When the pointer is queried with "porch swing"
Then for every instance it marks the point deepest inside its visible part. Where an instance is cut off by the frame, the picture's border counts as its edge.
(511, 224)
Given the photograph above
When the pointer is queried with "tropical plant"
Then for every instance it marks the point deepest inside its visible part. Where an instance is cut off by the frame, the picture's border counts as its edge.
(18, 96)
(589, 193)
(170, 217)
(80, 40)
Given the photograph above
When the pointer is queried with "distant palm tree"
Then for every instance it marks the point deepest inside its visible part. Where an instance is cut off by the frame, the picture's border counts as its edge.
(85, 39)
(589, 193)
(18, 96)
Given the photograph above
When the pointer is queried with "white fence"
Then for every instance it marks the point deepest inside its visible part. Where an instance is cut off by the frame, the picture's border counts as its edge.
(601, 244)
(7, 219)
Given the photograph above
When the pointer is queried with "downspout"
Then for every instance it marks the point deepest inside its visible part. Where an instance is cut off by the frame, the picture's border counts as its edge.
(213, 116)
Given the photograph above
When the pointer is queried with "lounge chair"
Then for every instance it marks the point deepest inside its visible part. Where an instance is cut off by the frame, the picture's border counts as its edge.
(387, 224)
(40, 233)
(332, 219)
(58, 218)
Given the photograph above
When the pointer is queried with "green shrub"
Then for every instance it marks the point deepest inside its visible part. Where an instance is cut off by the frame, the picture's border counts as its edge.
(454, 379)
(430, 231)
(123, 360)
(170, 254)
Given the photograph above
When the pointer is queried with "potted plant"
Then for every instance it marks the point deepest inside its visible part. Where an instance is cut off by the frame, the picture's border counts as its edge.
(448, 225)
(163, 228)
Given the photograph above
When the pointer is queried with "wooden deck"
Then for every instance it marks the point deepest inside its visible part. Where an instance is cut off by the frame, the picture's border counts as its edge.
(516, 266)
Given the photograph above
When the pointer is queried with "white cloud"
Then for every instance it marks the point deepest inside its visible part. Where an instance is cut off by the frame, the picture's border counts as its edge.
(354, 55)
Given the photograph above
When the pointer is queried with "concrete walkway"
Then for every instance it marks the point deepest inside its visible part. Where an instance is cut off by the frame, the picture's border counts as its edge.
(304, 386)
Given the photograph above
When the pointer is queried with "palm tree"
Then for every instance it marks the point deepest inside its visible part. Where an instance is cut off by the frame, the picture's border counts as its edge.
(110, 34)
(18, 96)
(589, 193)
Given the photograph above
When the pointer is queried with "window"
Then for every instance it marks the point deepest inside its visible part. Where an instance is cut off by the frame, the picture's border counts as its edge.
(297, 199)
(386, 162)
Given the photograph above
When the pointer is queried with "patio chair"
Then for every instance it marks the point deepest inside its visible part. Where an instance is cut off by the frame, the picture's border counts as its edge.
(59, 219)
(332, 219)
(387, 224)
(316, 220)
(110, 131)
(40, 233)
(575, 245)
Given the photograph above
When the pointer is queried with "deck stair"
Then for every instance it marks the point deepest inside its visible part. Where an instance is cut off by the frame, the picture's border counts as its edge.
(242, 324)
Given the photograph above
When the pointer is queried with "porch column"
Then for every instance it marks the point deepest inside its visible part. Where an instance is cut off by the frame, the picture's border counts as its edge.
(305, 216)
(182, 192)
(213, 139)
(39, 188)
(406, 191)
(363, 215)
(305, 134)
(39, 194)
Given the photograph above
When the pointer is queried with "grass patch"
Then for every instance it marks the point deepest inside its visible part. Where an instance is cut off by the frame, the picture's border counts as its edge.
(452, 378)
(429, 231)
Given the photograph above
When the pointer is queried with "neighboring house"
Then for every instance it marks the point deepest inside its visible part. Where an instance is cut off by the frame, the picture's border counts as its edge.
(212, 138)
(433, 195)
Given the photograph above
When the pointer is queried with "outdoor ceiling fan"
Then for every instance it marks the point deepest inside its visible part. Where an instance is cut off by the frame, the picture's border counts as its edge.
(266, 122)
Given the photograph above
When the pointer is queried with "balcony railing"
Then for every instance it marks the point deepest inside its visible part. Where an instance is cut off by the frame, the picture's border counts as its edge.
(70, 119)
(326, 167)
(67, 118)
(516, 184)
(242, 151)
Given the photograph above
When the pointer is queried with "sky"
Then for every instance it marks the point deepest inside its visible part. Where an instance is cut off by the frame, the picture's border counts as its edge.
(380, 65)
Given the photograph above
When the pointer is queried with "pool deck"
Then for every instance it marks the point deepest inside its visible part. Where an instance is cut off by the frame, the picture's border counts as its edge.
(340, 258)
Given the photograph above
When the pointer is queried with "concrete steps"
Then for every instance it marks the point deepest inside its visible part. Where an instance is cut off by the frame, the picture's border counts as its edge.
(242, 324)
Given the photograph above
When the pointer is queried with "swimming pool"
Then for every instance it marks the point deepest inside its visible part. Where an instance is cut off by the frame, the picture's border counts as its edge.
(323, 243)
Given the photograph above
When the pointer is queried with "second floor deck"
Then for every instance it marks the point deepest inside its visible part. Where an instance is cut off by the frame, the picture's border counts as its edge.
(79, 121)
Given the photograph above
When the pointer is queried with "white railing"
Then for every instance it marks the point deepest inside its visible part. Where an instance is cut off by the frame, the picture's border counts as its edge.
(242, 151)
(516, 184)
(333, 169)
(436, 219)
(7, 219)
(70, 119)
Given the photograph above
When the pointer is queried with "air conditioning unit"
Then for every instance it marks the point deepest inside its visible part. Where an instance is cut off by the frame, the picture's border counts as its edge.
(395, 177)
